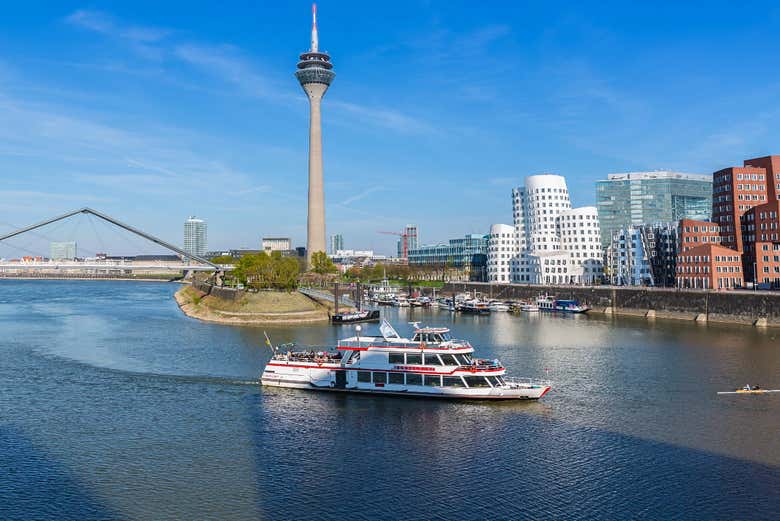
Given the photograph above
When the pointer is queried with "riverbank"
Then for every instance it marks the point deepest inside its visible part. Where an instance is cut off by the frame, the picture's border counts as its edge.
(242, 308)
(758, 308)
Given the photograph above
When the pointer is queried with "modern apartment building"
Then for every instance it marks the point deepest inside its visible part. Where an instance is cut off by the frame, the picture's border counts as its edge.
(195, 236)
(550, 242)
(637, 198)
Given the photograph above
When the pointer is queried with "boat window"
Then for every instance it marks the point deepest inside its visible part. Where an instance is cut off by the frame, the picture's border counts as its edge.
(453, 381)
(449, 360)
(495, 381)
(416, 337)
(432, 360)
(364, 376)
(433, 381)
(477, 381)
(380, 378)
(396, 378)
(396, 358)
(413, 358)
(446, 337)
(435, 338)
(413, 379)
(500, 380)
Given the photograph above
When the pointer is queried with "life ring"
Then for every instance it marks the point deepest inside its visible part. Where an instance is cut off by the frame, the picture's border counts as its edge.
(422, 345)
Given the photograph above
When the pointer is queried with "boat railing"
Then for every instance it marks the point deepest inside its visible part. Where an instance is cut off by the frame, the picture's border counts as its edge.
(373, 342)
(521, 381)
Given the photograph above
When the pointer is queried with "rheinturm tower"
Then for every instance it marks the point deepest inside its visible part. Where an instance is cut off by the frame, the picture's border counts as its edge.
(315, 74)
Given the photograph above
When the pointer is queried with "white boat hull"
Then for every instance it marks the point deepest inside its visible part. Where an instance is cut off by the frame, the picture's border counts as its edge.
(320, 379)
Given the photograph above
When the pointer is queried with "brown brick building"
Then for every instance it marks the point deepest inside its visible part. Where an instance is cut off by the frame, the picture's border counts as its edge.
(702, 262)
(744, 204)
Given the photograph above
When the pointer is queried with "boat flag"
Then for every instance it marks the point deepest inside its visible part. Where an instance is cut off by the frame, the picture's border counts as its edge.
(268, 342)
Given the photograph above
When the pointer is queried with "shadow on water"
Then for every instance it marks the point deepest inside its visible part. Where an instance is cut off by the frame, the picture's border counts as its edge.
(334, 456)
(34, 486)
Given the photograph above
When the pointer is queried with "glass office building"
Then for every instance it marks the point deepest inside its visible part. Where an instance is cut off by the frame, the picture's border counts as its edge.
(637, 198)
(468, 253)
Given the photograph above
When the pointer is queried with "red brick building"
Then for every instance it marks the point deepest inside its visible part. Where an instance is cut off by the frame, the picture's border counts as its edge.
(762, 244)
(695, 233)
(744, 204)
(702, 262)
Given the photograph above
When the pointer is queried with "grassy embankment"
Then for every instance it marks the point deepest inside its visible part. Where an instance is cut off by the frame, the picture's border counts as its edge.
(264, 307)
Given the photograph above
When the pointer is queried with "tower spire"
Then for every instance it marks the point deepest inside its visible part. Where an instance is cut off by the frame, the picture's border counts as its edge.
(314, 38)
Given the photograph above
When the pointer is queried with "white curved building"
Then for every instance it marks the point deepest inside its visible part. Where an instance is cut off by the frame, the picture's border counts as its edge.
(581, 237)
(502, 253)
(554, 243)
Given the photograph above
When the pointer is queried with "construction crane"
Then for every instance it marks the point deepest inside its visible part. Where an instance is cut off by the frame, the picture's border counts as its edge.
(404, 242)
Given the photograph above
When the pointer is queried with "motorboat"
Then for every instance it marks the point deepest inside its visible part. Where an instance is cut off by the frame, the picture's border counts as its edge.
(355, 316)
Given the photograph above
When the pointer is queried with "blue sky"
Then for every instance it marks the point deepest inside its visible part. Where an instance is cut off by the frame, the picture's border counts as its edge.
(152, 111)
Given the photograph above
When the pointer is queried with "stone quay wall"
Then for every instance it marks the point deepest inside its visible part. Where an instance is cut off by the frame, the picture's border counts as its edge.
(759, 308)
(216, 291)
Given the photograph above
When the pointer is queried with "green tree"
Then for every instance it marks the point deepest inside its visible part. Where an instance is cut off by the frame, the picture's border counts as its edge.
(223, 259)
(321, 263)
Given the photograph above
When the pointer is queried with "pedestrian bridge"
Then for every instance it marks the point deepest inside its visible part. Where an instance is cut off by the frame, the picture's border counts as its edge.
(188, 261)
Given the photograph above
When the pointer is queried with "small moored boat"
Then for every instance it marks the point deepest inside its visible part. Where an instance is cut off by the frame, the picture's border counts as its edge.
(355, 316)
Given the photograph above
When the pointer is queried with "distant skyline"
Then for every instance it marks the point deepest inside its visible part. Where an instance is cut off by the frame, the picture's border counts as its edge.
(151, 112)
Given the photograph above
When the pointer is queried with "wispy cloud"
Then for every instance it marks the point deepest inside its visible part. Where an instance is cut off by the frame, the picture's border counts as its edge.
(104, 23)
(387, 118)
(224, 63)
(262, 189)
(362, 195)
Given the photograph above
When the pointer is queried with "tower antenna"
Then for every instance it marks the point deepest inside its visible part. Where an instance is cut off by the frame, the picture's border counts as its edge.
(314, 38)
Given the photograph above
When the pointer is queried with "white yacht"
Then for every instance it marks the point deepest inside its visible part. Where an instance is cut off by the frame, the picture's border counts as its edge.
(430, 364)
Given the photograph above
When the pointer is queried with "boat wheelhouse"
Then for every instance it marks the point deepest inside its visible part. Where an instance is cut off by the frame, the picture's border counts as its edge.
(431, 363)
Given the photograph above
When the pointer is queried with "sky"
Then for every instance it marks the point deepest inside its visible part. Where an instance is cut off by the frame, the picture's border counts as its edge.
(153, 111)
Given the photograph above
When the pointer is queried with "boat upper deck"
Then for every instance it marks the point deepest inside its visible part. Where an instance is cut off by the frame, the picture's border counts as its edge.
(378, 342)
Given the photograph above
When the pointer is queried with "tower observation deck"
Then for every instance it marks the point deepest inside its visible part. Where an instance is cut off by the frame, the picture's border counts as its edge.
(315, 75)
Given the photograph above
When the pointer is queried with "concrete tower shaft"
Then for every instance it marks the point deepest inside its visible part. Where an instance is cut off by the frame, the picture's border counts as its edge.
(315, 75)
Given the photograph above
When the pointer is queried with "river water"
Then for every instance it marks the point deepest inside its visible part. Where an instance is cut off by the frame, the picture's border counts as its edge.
(114, 405)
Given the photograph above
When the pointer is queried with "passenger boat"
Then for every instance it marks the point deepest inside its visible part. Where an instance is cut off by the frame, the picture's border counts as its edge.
(355, 316)
(430, 364)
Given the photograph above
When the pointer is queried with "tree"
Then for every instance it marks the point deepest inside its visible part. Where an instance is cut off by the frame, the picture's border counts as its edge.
(261, 271)
(321, 263)
(223, 259)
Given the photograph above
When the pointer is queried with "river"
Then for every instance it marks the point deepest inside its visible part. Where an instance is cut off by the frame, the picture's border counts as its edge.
(114, 405)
